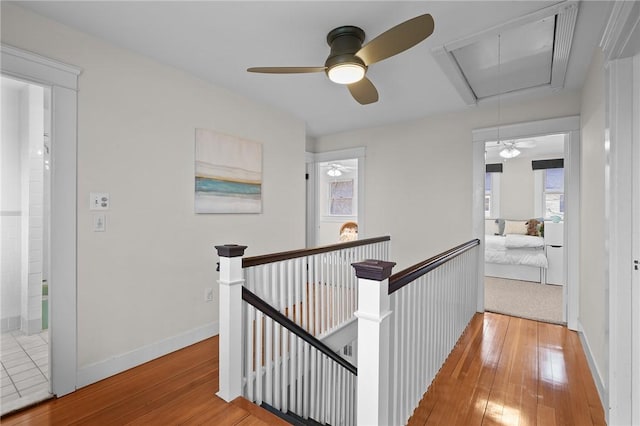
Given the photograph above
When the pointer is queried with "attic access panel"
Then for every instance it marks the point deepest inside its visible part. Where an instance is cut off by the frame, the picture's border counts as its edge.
(533, 55)
(519, 58)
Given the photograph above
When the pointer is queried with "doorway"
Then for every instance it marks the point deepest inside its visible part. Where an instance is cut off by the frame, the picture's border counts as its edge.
(62, 80)
(524, 227)
(24, 222)
(570, 127)
(335, 189)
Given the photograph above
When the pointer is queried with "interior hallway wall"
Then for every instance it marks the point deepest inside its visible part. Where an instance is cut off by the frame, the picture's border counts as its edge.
(418, 174)
(594, 313)
(142, 282)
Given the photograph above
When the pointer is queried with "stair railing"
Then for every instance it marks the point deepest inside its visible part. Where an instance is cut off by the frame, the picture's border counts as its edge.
(407, 324)
(274, 311)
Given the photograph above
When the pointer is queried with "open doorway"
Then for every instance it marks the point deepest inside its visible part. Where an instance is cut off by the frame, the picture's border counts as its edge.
(335, 189)
(524, 227)
(24, 222)
(570, 128)
(337, 201)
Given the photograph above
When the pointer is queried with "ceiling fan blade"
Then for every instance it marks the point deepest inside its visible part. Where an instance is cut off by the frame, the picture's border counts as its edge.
(286, 70)
(364, 91)
(397, 39)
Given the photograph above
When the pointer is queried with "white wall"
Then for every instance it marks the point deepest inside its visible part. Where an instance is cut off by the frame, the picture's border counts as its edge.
(418, 174)
(10, 210)
(142, 281)
(517, 189)
(593, 315)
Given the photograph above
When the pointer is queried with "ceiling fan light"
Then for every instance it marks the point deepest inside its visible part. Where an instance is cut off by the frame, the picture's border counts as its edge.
(334, 172)
(346, 73)
(510, 152)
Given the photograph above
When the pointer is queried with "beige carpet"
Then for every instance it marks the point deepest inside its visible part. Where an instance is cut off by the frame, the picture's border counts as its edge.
(523, 299)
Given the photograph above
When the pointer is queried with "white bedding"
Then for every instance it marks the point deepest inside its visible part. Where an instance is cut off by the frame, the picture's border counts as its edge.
(519, 250)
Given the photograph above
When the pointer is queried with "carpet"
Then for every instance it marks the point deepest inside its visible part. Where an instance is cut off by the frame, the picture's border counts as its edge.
(523, 299)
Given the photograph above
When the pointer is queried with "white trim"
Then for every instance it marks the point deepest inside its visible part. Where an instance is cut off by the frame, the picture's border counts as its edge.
(62, 79)
(38, 69)
(571, 293)
(528, 129)
(107, 368)
(566, 22)
(566, 12)
(623, 19)
(569, 125)
(595, 373)
(343, 154)
(618, 203)
(635, 350)
(477, 214)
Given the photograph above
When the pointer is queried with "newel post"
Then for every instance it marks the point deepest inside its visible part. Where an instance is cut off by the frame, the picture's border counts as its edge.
(230, 309)
(374, 318)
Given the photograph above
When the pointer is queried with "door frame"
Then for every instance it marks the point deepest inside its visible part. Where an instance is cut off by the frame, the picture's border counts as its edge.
(63, 81)
(622, 141)
(570, 126)
(312, 159)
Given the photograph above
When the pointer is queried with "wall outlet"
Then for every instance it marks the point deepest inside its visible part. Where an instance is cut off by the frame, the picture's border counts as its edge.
(208, 294)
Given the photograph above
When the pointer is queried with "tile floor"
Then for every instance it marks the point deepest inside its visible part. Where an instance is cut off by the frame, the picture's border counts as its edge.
(25, 369)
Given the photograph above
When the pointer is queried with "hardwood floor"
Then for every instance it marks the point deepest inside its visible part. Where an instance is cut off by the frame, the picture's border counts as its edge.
(504, 371)
(176, 389)
(512, 371)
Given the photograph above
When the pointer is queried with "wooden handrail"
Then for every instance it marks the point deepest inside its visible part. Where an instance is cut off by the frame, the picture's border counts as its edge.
(285, 255)
(258, 303)
(410, 274)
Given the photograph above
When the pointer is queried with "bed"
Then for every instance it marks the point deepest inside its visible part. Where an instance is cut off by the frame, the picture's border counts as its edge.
(511, 254)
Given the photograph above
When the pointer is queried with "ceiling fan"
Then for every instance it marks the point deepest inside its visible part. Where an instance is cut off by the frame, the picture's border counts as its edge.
(336, 169)
(509, 149)
(348, 59)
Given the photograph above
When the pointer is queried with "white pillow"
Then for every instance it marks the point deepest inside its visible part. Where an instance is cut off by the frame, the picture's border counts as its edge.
(515, 227)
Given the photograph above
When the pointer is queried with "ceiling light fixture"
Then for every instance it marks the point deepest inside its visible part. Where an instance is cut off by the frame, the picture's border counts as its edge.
(346, 73)
(509, 152)
(333, 172)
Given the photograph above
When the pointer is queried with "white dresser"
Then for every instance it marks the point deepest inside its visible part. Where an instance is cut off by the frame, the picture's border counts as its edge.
(554, 247)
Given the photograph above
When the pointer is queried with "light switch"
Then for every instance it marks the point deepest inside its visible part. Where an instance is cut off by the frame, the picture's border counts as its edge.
(99, 201)
(99, 222)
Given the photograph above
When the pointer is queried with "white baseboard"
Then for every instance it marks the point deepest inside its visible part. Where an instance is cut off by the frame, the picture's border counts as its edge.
(595, 373)
(107, 368)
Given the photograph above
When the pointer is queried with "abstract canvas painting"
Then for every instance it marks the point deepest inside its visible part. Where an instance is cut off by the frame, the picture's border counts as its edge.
(228, 174)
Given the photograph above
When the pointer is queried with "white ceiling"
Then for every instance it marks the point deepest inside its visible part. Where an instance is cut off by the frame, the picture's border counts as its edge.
(218, 40)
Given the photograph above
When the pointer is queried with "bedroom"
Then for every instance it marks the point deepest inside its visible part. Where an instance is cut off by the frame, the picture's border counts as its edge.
(524, 227)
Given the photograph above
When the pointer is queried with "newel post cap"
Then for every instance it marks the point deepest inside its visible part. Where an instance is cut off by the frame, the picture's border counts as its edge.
(376, 270)
(230, 250)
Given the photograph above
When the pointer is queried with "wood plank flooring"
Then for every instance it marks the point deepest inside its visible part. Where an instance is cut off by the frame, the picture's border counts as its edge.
(512, 371)
(504, 371)
(178, 388)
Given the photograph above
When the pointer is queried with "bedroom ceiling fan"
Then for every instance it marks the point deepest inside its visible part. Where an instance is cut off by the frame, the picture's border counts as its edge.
(511, 149)
(335, 169)
(348, 59)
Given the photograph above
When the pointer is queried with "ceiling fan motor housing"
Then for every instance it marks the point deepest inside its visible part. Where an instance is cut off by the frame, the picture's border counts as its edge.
(345, 42)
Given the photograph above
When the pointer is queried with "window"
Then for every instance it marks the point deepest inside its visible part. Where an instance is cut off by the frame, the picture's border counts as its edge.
(341, 198)
(554, 192)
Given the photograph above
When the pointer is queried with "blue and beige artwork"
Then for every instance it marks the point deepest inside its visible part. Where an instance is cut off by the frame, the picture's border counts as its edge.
(228, 174)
